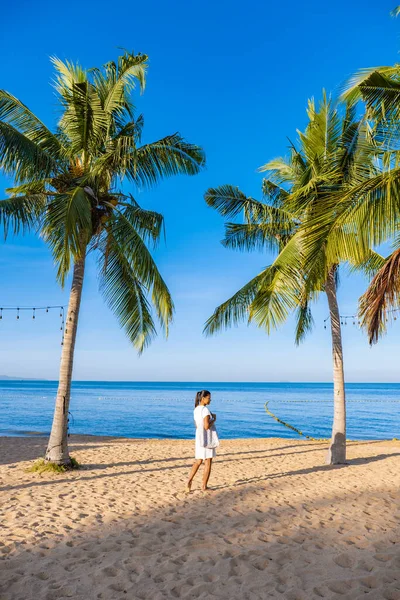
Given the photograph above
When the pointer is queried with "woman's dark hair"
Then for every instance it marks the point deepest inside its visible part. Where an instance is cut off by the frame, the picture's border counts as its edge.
(200, 396)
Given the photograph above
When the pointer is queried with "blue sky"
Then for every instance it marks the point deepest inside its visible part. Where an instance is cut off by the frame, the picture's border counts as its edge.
(233, 77)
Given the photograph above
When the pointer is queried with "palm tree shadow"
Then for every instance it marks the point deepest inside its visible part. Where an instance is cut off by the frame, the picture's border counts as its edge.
(78, 442)
(309, 470)
(220, 458)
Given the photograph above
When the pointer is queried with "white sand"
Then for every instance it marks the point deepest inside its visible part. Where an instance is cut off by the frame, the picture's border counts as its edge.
(279, 524)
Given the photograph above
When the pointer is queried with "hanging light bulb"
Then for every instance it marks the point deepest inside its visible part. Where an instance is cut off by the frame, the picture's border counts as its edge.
(33, 315)
(47, 309)
(17, 314)
(1, 313)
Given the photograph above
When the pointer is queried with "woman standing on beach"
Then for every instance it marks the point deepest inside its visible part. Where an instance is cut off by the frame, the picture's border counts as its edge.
(203, 419)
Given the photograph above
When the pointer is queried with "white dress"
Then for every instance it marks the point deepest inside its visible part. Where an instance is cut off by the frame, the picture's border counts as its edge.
(200, 452)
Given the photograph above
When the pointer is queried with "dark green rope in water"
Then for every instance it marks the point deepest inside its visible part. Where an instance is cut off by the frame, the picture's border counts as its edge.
(308, 437)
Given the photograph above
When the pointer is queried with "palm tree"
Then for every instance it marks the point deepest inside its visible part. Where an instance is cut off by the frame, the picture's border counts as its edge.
(332, 154)
(68, 183)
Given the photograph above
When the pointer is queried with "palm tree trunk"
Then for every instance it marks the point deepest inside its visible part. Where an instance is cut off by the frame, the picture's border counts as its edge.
(57, 449)
(337, 449)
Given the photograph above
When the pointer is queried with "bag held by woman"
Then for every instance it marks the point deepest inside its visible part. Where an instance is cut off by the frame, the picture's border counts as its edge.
(210, 438)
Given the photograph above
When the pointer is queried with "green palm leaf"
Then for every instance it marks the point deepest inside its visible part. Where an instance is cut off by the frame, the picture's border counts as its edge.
(169, 156)
(21, 212)
(22, 157)
(304, 322)
(126, 295)
(237, 308)
(230, 202)
(256, 236)
(147, 223)
(125, 234)
(67, 227)
(16, 114)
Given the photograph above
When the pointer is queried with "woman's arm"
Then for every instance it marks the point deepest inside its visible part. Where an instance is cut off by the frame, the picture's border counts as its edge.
(208, 421)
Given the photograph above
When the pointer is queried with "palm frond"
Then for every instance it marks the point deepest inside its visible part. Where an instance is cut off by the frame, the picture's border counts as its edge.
(131, 129)
(21, 157)
(38, 186)
(280, 170)
(273, 194)
(256, 236)
(237, 308)
(304, 322)
(130, 242)
(120, 80)
(67, 224)
(230, 202)
(125, 294)
(21, 212)
(16, 114)
(84, 122)
(274, 301)
(381, 297)
(147, 223)
(379, 88)
(368, 264)
(171, 155)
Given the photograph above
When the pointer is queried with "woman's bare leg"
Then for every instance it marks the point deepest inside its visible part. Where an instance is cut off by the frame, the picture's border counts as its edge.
(206, 473)
(195, 468)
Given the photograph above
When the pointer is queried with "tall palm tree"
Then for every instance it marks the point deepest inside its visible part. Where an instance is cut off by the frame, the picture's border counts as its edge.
(332, 154)
(68, 183)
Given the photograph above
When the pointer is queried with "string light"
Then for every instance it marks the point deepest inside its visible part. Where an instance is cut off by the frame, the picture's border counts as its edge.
(353, 318)
(62, 324)
(18, 309)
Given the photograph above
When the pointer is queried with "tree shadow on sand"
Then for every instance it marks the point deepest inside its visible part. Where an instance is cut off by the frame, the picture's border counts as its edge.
(79, 476)
(24, 450)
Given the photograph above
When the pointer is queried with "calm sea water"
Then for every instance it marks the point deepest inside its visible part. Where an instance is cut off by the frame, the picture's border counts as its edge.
(162, 410)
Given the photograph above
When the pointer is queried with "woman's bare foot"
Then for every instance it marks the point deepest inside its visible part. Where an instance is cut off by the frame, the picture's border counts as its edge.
(188, 488)
(206, 489)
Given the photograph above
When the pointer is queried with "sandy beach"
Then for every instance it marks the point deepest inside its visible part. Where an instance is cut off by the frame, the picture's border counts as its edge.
(278, 523)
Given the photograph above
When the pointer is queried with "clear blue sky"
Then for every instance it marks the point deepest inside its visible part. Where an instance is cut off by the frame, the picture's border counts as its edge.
(233, 77)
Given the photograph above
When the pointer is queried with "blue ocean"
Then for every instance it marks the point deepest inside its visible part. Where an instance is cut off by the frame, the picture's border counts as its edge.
(165, 410)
